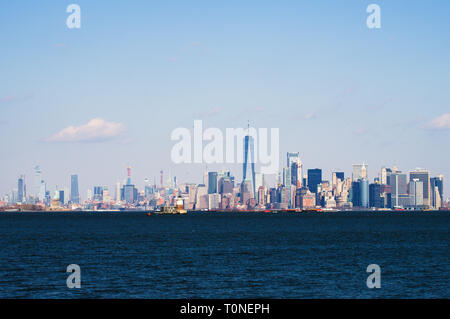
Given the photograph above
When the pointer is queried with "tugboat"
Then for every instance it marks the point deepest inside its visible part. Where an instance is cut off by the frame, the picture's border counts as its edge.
(178, 209)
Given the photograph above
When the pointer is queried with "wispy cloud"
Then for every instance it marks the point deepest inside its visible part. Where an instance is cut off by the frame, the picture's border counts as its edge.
(310, 116)
(305, 116)
(211, 112)
(439, 123)
(96, 130)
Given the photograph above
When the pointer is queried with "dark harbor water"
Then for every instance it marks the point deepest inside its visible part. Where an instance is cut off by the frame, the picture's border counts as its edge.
(234, 255)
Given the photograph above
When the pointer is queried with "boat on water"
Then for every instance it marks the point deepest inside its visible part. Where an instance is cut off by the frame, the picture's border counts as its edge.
(171, 210)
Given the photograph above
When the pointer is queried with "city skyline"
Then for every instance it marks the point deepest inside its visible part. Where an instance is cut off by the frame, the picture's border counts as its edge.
(391, 189)
(142, 181)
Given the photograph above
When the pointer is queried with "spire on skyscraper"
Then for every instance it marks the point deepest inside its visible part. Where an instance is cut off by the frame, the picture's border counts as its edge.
(129, 175)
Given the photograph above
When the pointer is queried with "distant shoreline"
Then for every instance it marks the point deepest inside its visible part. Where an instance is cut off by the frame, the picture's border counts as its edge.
(152, 212)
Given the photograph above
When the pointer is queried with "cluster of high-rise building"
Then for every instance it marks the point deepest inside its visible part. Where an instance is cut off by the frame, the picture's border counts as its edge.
(294, 189)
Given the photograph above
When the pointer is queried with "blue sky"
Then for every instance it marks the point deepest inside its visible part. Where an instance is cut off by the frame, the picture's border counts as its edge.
(339, 92)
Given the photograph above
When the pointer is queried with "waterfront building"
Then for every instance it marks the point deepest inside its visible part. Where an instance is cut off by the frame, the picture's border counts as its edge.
(98, 193)
(61, 198)
(129, 193)
(42, 191)
(74, 194)
(375, 199)
(399, 193)
(314, 179)
(201, 197)
(261, 196)
(295, 166)
(118, 196)
(212, 182)
(416, 193)
(214, 201)
(225, 185)
(37, 183)
(305, 199)
(287, 182)
(335, 178)
(356, 194)
(191, 190)
(364, 192)
(385, 175)
(424, 176)
(21, 189)
(360, 171)
(437, 191)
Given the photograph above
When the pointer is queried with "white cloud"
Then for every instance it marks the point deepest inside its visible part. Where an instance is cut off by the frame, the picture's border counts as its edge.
(440, 123)
(96, 130)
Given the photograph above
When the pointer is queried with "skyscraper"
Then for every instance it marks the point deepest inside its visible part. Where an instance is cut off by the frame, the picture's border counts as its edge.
(416, 192)
(129, 193)
(129, 175)
(314, 179)
(295, 166)
(375, 199)
(118, 197)
(385, 175)
(42, 191)
(287, 182)
(212, 182)
(437, 191)
(334, 179)
(423, 176)
(21, 189)
(259, 181)
(225, 185)
(74, 194)
(340, 175)
(61, 198)
(249, 163)
(98, 193)
(360, 171)
(356, 194)
(399, 194)
(37, 182)
(364, 192)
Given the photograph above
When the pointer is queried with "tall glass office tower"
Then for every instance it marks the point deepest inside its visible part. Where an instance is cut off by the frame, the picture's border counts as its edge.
(314, 179)
(424, 176)
(37, 182)
(21, 189)
(249, 163)
(364, 192)
(74, 194)
(212, 182)
(295, 165)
